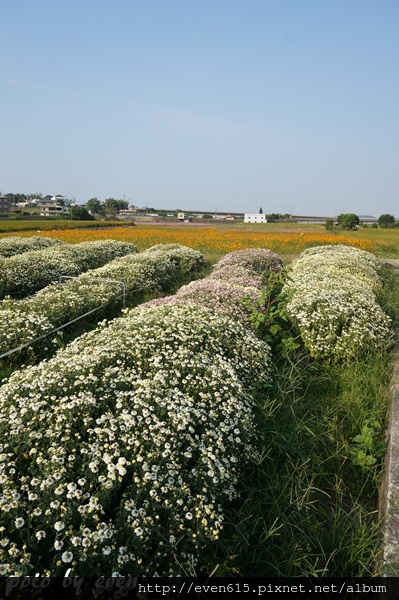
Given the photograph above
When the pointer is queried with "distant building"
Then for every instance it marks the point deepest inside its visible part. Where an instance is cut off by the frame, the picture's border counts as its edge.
(127, 214)
(56, 205)
(254, 218)
(5, 204)
(180, 216)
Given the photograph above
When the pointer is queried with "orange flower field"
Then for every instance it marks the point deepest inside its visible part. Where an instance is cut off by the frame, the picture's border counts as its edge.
(214, 240)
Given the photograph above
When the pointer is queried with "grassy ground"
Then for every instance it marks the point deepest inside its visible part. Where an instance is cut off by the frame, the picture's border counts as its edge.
(39, 225)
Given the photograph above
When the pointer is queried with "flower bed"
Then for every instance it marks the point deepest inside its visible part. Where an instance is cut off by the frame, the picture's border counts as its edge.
(118, 454)
(236, 276)
(333, 303)
(15, 244)
(157, 269)
(25, 274)
(255, 260)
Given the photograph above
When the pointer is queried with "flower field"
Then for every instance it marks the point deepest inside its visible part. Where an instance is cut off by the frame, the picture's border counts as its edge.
(157, 269)
(333, 303)
(101, 495)
(222, 240)
(24, 274)
(9, 246)
(123, 452)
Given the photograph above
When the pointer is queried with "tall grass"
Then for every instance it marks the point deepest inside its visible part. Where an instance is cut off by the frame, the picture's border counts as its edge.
(309, 500)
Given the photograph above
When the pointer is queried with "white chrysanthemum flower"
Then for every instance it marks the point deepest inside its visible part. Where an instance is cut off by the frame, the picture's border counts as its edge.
(66, 557)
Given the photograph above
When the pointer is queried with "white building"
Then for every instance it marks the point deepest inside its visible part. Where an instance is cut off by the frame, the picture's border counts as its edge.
(56, 205)
(255, 218)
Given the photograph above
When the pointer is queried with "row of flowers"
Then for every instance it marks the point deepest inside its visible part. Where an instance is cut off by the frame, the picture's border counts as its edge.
(14, 244)
(332, 300)
(24, 274)
(155, 270)
(118, 455)
(236, 276)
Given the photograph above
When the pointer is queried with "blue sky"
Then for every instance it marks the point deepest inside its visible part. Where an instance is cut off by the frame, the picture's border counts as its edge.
(292, 105)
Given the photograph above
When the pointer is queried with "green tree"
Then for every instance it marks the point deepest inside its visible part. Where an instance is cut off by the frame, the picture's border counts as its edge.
(79, 213)
(95, 206)
(348, 221)
(386, 221)
(110, 206)
(261, 211)
(113, 206)
(17, 197)
(122, 205)
(329, 224)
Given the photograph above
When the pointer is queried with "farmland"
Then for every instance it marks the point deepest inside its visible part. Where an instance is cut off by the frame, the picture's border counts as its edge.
(213, 241)
(267, 420)
(49, 224)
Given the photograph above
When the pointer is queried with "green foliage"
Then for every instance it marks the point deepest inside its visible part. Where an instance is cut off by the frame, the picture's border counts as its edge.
(269, 314)
(348, 221)
(96, 207)
(368, 450)
(329, 224)
(113, 206)
(386, 221)
(79, 213)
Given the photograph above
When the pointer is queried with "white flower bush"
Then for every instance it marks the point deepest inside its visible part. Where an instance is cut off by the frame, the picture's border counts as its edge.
(342, 252)
(332, 301)
(154, 270)
(24, 274)
(335, 263)
(163, 265)
(9, 246)
(118, 455)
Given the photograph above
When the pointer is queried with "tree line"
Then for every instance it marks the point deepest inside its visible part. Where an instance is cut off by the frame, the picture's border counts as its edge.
(350, 221)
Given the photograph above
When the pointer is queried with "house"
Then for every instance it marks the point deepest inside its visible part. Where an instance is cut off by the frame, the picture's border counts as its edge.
(255, 218)
(5, 204)
(56, 205)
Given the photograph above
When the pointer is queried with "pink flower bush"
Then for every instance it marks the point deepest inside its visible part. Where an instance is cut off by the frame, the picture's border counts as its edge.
(257, 260)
